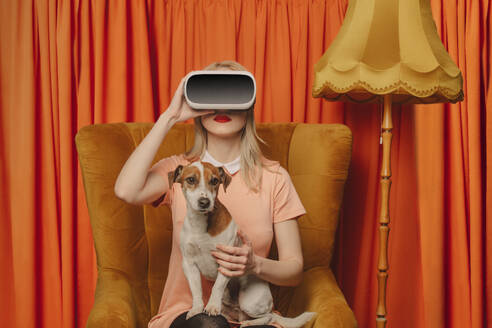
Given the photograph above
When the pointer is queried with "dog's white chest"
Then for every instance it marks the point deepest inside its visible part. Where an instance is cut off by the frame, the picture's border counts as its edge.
(191, 249)
(197, 248)
(196, 245)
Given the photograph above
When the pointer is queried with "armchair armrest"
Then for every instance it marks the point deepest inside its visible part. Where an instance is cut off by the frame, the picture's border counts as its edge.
(114, 305)
(319, 292)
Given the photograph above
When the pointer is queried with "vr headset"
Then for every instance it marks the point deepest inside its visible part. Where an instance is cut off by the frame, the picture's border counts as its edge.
(220, 90)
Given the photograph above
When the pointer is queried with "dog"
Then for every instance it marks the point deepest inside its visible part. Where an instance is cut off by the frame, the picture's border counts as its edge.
(245, 299)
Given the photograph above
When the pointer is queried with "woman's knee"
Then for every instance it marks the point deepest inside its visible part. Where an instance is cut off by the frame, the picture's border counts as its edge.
(203, 320)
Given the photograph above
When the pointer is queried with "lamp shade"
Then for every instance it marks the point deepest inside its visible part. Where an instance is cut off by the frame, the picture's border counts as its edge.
(388, 47)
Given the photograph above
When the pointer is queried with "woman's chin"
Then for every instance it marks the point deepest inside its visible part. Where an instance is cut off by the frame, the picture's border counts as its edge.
(223, 128)
(226, 133)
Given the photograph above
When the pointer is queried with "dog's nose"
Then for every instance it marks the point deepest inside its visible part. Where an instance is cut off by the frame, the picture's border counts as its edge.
(203, 202)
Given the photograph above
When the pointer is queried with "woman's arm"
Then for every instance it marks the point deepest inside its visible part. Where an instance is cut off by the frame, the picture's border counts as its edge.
(133, 175)
(287, 271)
(131, 184)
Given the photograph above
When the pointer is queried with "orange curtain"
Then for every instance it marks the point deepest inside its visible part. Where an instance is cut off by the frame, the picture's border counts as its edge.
(67, 64)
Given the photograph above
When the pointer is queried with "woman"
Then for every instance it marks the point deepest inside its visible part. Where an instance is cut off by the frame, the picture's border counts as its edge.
(261, 199)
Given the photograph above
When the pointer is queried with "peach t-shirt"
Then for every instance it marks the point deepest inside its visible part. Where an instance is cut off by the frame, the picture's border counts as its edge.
(254, 213)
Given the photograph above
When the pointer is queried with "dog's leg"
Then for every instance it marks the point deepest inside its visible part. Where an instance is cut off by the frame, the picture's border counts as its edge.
(214, 305)
(258, 321)
(255, 297)
(192, 274)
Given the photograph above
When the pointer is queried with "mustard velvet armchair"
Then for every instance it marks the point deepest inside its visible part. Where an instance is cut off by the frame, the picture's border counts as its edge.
(133, 243)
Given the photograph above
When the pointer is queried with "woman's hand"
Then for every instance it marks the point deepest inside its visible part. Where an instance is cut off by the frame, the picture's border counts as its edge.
(179, 110)
(236, 261)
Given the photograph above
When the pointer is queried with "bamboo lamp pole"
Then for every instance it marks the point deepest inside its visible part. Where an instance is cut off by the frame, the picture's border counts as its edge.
(411, 66)
(384, 218)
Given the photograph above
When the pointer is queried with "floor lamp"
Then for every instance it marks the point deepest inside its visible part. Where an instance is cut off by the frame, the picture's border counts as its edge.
(387, 51)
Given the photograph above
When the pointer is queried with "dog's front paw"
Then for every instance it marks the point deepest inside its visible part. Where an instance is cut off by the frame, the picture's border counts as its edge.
(194, 310)
(212, 308)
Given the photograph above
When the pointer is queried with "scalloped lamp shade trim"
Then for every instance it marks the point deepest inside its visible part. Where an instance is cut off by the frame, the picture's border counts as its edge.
(388, 47)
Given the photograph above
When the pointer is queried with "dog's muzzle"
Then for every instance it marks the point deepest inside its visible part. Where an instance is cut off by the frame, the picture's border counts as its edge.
(203, 203)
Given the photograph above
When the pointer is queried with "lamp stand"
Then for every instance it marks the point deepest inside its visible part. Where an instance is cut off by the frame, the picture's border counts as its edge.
(385, 183)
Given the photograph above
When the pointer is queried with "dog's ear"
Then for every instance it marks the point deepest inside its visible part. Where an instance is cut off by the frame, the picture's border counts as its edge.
(225, 178)
(175, 176)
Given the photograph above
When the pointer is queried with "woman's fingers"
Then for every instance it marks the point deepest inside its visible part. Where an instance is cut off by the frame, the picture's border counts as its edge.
(230, 273)
(231, 266)
(208, 112)
(198, 113)
(182, 106)
(178, 95)
(230, 258)
(232, 249)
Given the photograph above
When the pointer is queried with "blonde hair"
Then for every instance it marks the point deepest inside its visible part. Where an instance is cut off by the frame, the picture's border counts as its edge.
(252, 159)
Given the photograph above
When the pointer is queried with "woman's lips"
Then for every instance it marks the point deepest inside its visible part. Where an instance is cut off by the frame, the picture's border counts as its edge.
(222, 118)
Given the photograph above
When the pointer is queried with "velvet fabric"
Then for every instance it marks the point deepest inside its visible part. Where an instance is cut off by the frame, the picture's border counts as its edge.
(133, 243)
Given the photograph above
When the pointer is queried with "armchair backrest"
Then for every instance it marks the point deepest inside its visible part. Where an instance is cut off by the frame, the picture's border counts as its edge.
(136, 240)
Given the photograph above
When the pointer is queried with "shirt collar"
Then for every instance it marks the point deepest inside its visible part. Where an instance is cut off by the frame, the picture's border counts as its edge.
(231, 167)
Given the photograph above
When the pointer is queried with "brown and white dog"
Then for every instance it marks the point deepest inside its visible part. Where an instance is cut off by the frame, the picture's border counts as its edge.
(207, 223)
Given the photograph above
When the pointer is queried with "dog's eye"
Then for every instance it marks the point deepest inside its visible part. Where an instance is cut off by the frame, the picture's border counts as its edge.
(190, 180)
(214, 181)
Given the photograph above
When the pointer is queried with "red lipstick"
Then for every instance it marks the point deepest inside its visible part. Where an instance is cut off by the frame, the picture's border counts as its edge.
(222, 118)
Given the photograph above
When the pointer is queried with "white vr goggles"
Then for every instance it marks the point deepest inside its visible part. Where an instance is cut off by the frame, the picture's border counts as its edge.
(220, 90)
